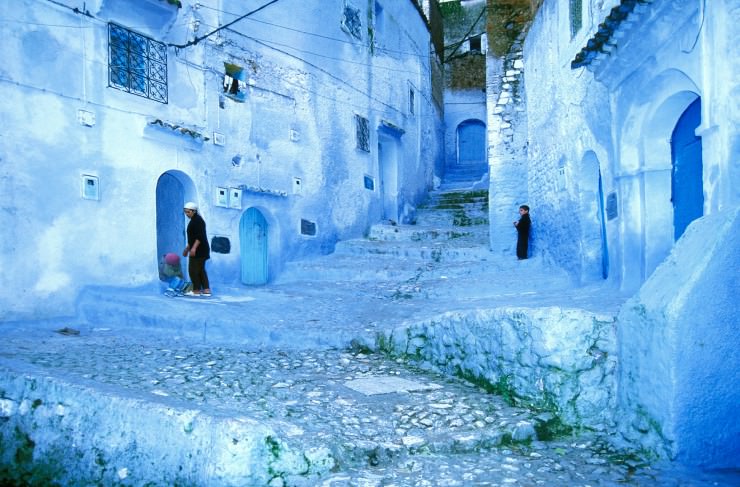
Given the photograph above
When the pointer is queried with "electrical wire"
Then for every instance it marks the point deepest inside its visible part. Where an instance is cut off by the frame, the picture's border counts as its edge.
(312, 53)
(198, 39)
(344, 41)
(264, 43)
(701, 26)
(465, 37)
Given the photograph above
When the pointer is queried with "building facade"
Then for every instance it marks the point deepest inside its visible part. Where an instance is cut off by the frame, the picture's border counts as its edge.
(291, 126)
(629, 162)
(465, 90)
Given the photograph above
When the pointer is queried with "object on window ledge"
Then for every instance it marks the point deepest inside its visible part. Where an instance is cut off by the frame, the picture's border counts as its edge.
(271, 192)
(235, 86)
(178, 129)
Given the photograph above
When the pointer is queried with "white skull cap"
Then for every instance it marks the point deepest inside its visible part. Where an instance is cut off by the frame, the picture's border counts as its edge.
(190, 206)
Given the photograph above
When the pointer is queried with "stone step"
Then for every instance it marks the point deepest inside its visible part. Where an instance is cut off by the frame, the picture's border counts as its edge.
(461, 185)
(428, 252)
(425, 233)
(338, 268)
(459, 220)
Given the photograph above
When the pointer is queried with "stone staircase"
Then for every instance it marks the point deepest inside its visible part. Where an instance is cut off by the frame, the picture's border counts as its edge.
(448, 243)
(463, 176)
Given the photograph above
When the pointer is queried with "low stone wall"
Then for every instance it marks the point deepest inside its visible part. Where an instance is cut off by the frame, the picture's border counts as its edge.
(559, 360)
(62, 433)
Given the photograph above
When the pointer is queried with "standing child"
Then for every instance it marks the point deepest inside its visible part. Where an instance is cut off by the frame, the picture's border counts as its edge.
(522, 229)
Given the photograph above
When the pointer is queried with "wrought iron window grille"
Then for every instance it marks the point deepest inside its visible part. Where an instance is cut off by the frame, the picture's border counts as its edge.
(137, 64)
(362, 133)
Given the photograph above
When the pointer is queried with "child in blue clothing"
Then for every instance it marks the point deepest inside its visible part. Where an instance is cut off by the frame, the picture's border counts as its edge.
(170, 271)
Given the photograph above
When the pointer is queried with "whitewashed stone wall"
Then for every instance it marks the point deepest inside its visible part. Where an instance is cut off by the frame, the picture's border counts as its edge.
(507, 148)
(64, 431)
(559, 360)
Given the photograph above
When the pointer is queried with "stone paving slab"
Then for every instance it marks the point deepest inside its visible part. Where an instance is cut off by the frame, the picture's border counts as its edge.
(450, 434)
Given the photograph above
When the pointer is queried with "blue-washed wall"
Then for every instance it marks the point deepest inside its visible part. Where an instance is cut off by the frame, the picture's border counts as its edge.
(286, 138)
(620, 111)
(601, 151)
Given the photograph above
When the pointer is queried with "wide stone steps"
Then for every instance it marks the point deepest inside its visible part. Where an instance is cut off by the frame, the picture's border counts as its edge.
(433, 252)
(465, 172)
(426, 233)
(451, 227)
(346, 267)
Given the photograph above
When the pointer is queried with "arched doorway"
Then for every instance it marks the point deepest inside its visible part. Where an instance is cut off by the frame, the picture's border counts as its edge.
(471, 143)
(687, 187)
(174, 188)
(253, 244)
(594, 251)
(388, 154)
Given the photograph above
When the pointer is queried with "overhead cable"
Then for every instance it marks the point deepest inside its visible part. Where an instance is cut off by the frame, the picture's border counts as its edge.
(198, 39)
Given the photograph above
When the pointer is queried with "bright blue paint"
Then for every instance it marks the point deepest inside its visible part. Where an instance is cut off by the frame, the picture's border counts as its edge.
(471, 142)
(602, 221)
(253, 244)
(686, 183)
(170, 227)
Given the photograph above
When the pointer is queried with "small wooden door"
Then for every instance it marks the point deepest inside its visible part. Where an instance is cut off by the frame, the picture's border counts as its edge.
(471, 143)
(253, 247)
(687, 187)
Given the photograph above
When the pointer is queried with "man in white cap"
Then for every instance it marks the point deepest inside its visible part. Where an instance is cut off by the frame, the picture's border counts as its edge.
(197, 250)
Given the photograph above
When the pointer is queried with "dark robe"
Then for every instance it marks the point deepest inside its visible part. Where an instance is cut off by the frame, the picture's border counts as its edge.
(522, 241)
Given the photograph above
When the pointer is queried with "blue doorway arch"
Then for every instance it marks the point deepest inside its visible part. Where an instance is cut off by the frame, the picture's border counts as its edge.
(687, 186)
(471, 143)
(174, 188)
(253, 233)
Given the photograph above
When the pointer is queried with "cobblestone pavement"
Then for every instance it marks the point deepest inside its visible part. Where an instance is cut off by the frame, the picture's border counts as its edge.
(433, 430)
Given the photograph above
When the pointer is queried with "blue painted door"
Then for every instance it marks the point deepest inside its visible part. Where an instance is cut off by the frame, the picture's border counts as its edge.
(253, 246)
(602, 220)
(170, 218)
(687, 187)
(471, 143)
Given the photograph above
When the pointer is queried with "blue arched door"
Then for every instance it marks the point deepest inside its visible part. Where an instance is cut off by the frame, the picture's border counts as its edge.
(471, 143)
(171, 221)
(253, 247)
(687, 187)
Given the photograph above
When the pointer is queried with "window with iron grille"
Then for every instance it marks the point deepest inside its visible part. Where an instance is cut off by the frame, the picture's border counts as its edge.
(137, 64)
(576, 16)
(363, 133)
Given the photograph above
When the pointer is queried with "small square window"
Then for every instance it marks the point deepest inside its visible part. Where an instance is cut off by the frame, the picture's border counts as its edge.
(362, 128)
(475, 44)
(308, 228)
